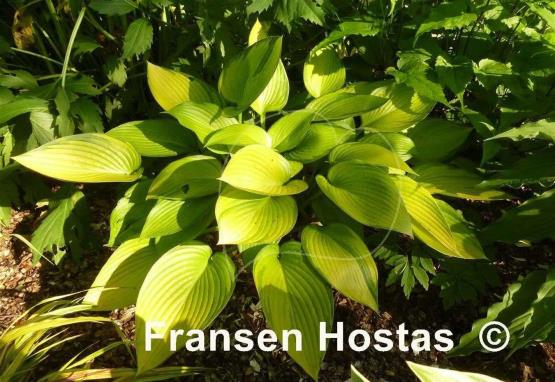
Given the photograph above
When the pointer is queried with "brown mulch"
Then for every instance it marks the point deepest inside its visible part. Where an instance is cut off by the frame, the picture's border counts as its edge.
(22, 285)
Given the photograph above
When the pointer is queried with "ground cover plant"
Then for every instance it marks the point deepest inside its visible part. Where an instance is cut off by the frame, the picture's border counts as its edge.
(319, 152)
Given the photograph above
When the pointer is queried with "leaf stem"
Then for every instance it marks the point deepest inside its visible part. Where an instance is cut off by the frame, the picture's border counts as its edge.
(70, 44)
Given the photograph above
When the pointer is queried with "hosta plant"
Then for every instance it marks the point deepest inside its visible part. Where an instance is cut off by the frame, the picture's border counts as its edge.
(230, 168)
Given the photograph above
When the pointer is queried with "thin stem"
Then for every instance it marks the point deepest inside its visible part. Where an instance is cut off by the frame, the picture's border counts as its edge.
(70, 44)
(263, 120)
(95, 24)
(36, 55)
(43, 51)
(57, 24)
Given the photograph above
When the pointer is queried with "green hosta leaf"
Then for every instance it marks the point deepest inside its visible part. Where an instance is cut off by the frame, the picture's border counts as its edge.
(434, 374)
(448, 16)
(428, 133)
(246, 75)
(170, 88)
(274, 97)
(186, 288)
(522, 310)
(328, 213)
(542, 129)
(138, 38)
(245, 218)
(65, 226)
(261, 170)
(452, 181)
(113, 7)
(403, 109)
(187, 178)
(538, 167)
(293, 296)
(85, 158)
(155, 138)
(366, 27)
(433, 224)
(323, 72)
(368, 153)
(341, 105)
(318, 142)
(231, 138)
(343, 259)
(201, 118)
(396, 142)
(188, 217)
(533, 220)
(288, 131)
(129, 215)
(367, 194)
(21, 105)
(118, 282)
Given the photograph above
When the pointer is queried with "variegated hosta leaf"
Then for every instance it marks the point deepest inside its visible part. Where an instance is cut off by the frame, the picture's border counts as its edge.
(431, 225)
(293, 296)
(323, 72)
(118, 282)
(341, 105)
(288, 131)
(85, 158)
(367, 194)
(343, 259)
(245, 218)
(434, 374)
(448, 180)
(201, 118)
(155, 137)
(231, 138)
(261, 170)
(170, 88)
(246, 75)
(318, 142)
(186, 178)
(397, 142)
(403, 109)
(274, 97)
(189, 217)
(185, 289)
(368, 153)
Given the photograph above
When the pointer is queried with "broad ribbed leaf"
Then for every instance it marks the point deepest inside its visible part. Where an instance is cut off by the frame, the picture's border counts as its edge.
(341, 105)
(274, 97)
(343, 259)
(288, 131)
(247, 74)
(323, 72)
(201, 118)
(434, 374)
(170, 88)
(397, 142)
(188, 217)
(403, 109)
(542, 129)
(293, 296)
(533, 220)
(318, 142)
(428, 133)
(368, 153)
(245, 218)
(118, 282)
(85, 158)
(261, 170)
(452, 181)
(231, 138)
(21, 105)
(187, 178)
(431, 225)
(156, 137)
(186, 289)
(539, 167)
(367, 194)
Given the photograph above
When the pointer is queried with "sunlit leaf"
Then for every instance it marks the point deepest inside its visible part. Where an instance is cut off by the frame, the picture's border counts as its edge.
(368, 153)
(288, 131)
(231, 138)
(433, 374)
(323, 72)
